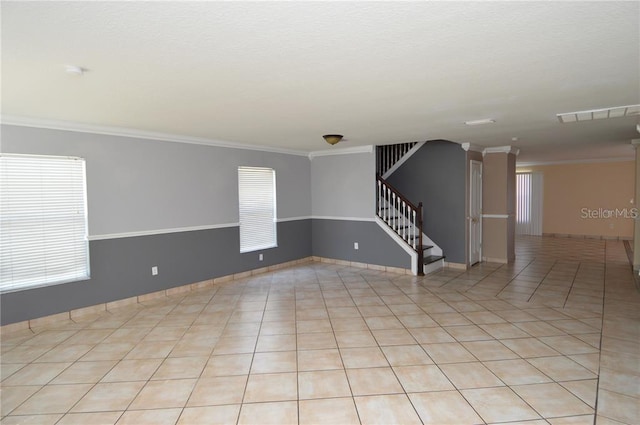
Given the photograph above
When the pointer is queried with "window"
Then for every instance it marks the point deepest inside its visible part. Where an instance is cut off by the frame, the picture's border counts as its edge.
(529, 204)
(257, 199)
(43, 221)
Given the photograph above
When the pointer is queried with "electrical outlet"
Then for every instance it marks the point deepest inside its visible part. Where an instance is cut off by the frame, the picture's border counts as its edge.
(154, 271)
(355, 245)
(260, 257)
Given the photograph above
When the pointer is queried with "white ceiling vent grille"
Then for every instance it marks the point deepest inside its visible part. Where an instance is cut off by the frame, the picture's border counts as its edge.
(599, 114)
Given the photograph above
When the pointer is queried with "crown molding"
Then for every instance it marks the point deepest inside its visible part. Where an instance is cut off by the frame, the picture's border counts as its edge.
(342, 151)
(139, 134)
(575, 161)
(471, 147)
(501, 149)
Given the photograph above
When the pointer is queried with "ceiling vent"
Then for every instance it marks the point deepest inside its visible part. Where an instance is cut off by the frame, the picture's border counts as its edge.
(599, 114)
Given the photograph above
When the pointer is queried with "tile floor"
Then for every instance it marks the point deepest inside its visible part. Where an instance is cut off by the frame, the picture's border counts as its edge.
(553, 338)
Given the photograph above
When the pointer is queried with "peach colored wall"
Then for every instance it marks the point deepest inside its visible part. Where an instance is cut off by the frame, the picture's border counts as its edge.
(570, 188)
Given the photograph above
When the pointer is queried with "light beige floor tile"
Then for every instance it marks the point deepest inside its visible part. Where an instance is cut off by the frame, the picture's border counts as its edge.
(36, 374)
(53, 399)
(65, 353)
(386, 337)
(468, 333)
(312, 326)
(373, 381)
(431, 335)
(539, 329)
(132, 370)
(417, 320)
(8, 369)
(278, 327)
(235, 345)
(561, 368)
(151, 350)
(444, 408)
(332, 411)
(210, 415)
(84, 372)
(276, 343)
(349, 324)
(575, 420)
(90, 418)
(422, 378)
(309, 360)
(386, 409)
(568, 345)
(363, 357)
(108, 396)
(154, 416)
(316, 341)
(180, 368)
(489, 350)
(198, 347)
(517, 372)
(618, 407)
(406, 355)
(12, 397)
(218, 390)
(32, 420)
(164, 394)
(271, 387)
(452, 352)
(450, 319)
(109, 351)
(323, 384)
(275, 413)
(227, 365)
(470, 375)
(552, 400)
(274, 362)
(529, 347)
(351, 339)
(585, 390)
(504, 330)
(499, 405)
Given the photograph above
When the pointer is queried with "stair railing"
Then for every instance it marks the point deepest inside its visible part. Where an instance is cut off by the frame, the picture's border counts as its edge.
(388, 155)
(402, 216)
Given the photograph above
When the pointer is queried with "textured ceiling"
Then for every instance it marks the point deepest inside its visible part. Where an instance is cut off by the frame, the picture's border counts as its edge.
(283, 74)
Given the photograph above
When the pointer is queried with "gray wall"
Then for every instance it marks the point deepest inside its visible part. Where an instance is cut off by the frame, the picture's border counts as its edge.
(137, 185)
(343, 185)
(335, 238)
(436, 176)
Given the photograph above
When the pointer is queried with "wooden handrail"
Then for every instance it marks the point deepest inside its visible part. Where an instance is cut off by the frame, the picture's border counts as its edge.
(397, 193)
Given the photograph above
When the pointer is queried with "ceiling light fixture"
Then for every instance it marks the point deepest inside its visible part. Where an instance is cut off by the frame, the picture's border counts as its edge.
(332, 139)
(480, 122)
(598, 114)
(74, 70)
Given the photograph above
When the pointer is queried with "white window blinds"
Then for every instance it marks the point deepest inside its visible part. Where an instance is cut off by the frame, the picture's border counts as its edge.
(43, 221)
(257, 202)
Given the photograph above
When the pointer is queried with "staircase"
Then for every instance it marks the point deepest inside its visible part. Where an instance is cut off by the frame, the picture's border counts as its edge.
(404, 219)
(399, 217)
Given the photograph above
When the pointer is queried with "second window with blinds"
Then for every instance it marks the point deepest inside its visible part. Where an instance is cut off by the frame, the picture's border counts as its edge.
(257, 204)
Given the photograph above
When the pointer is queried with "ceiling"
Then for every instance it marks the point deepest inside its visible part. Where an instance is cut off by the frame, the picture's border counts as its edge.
(282, 74)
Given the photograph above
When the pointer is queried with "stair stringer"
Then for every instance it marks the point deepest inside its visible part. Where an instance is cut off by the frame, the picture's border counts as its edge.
(434, 250)
(404, 158)
(402, 243)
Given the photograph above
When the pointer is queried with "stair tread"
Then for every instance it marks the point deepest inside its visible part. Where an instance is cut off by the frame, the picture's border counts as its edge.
(433, 258)
(425, 247)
